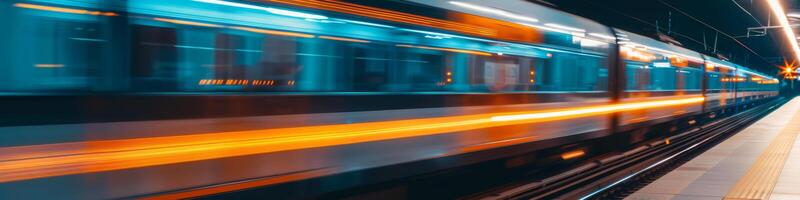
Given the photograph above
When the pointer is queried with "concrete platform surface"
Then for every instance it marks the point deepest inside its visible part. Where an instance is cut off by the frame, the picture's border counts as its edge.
(760, 162)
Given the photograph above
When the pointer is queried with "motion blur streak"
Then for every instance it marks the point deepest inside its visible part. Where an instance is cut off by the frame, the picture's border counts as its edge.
(48, 65)
(271, 32)
(389, 15)
(175, 21)
(63, 10)
(446, 49)
(787, 29)
(271, 10)
(343, 39)
(494, 11)
(598, 109)
(572, 154)
(38, 161)
(241, 185)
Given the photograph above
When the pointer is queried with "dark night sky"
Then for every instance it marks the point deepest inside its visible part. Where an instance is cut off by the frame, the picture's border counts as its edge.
(641, 16)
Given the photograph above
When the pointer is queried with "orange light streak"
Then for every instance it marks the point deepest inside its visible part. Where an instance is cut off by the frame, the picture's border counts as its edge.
(771, 81)
(64, 10)
(205, 191)
(572, 154)
(596, 110)
(384, 14)
(344, 39)
(272, 32)
(636, 55)
(175, 21)
(734, 79)
(39, 161)
(709, 67)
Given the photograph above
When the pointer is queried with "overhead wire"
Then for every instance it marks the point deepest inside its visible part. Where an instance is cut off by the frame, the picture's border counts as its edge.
(716, 29)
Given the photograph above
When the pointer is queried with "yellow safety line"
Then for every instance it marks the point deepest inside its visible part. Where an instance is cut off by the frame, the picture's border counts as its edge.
(762, 176)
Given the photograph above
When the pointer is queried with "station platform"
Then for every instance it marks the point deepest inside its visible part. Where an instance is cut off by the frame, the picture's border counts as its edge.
(760, 162)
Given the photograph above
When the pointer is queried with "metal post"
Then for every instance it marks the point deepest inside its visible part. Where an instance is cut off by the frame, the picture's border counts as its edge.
(716, 36)
(616, 79)
(669, 24)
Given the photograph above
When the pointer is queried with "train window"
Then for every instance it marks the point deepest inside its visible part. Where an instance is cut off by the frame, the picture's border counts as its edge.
(347, 53)
(662, 76)
(199, 46)
(194, 46)
(53, 52)
(721, 77)
(658, 69)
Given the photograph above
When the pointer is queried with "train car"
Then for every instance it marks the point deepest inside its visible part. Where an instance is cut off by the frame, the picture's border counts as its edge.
(753, 86)
(655, 70)
(243, 90)
(732, 85)
(720, 81)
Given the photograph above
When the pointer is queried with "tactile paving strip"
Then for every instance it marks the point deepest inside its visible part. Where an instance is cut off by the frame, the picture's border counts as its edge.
(762, 176)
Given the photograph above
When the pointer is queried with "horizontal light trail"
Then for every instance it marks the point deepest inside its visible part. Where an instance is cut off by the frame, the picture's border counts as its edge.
(273, 32)
(446, 49)
(344, 39)
(175, 21)
(39, 161)
(597, 110)
(64, 10)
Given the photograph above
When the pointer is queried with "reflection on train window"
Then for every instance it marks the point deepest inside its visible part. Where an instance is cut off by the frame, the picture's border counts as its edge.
(202, 58)
(260, 51)
(647, 71)
(719, 79)
(48, 54)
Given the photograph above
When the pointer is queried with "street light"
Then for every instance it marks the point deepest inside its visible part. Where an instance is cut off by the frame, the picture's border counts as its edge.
(789, 71)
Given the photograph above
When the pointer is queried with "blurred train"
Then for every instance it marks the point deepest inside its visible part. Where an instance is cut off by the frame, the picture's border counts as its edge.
(235, 92)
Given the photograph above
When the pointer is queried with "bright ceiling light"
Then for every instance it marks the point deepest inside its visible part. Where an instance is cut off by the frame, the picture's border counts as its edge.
(793, 15)
(268, 9)
(781, 15)
(494, 11)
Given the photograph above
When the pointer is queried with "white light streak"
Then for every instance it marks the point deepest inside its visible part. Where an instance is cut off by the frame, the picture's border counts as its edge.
(604, 36)
(268, 9)
(564, 27)
(781, 15)
(494, 11)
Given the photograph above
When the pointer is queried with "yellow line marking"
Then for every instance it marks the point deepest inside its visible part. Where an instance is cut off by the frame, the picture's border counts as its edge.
(762, 176)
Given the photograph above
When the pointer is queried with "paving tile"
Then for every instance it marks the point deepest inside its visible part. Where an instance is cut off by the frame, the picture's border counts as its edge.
(696, 197)
(779, 196)
(789, 182)
(704, 188)
(649, 196)
(787, 189)
(712, 174)
(667, 187)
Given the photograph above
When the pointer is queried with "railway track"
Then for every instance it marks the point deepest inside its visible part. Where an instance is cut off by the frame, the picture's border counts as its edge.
(616, 175)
